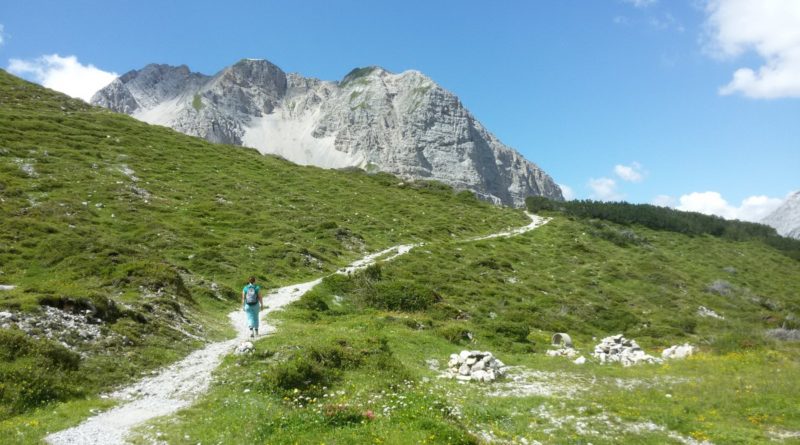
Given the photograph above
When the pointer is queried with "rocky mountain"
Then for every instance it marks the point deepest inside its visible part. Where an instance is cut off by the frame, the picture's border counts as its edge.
(786, 218)
(404, 124)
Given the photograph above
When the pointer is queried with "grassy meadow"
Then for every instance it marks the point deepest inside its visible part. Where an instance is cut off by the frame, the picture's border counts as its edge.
(149, 234)
(344, 368)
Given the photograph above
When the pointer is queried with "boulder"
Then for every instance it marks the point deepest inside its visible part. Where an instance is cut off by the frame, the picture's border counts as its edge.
(678, 351)
(244, 348)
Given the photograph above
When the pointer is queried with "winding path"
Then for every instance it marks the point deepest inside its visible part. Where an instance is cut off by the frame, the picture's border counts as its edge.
(178, 385)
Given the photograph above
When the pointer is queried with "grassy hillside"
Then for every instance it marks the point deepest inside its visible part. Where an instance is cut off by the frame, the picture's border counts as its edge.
(508, 296)
(147, 234)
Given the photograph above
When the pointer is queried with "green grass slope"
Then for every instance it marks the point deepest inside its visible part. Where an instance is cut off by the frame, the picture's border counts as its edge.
(365, 374)
(151, 233)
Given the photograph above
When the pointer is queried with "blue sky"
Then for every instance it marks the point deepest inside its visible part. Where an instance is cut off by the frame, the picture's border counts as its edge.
(690, 103)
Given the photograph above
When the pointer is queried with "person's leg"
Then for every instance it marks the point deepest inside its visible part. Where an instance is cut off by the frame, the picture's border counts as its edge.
(257, 311)
(252, 318)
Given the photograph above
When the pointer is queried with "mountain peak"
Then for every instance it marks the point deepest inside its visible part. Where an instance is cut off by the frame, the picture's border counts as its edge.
(403, 123)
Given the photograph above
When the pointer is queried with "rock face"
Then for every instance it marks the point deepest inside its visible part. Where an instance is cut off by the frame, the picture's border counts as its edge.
(786, 218)
(404, 124)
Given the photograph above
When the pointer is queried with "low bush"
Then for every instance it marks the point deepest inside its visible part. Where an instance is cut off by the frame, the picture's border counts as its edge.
(298, 373)
(737, 339)
(34, 372)
(313, 367)
(341, 414)
(455, 332)
(514, 331)
(313, 301)
(400, 295)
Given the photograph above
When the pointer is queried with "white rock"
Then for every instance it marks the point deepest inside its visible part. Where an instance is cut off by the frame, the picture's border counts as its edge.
(478, 375)
(580, 360)
(678, 351)
(706, 312)
(244, 348)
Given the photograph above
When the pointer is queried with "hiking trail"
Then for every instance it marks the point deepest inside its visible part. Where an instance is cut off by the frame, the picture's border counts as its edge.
(178, 385)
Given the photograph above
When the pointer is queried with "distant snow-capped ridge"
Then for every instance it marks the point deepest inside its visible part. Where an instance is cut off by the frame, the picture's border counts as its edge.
(786, 218)
(404, 124)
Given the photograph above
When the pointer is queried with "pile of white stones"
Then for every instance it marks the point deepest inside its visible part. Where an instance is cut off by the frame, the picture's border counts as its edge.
(474, 365)
(618, 349)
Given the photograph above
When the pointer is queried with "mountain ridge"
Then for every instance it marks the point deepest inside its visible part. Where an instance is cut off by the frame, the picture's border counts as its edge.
(404, 124)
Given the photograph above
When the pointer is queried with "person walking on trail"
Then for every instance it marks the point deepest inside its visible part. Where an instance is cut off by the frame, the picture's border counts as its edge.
(252, 303)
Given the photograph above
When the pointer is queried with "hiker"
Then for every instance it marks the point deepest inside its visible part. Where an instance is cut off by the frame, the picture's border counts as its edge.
(252, 304)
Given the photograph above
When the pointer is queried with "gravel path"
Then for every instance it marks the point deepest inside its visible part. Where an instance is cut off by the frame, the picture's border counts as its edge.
(178, 385)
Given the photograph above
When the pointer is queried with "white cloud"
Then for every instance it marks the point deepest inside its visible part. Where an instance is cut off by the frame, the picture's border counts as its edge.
(640, 3)
(752, 208)
(663, 201)
(567, 191)
(604, 189)
(64, 74)
(2, 35)
(630, 173)
(770, 28)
